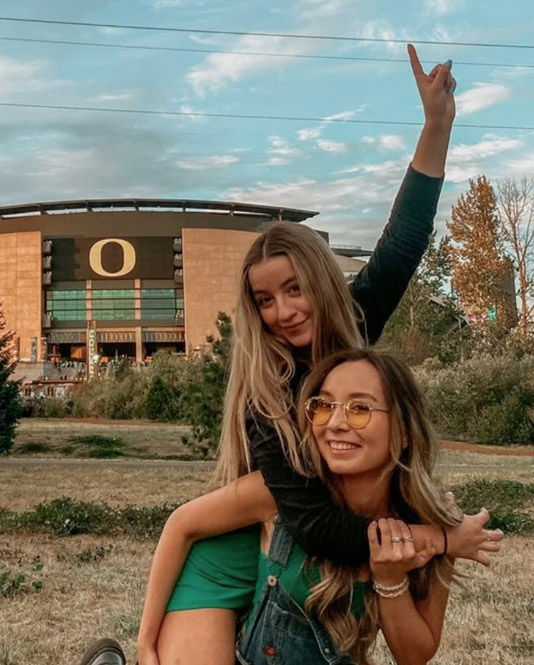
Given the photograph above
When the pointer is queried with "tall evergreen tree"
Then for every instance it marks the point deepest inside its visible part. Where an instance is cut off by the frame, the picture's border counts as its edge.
(10, 401)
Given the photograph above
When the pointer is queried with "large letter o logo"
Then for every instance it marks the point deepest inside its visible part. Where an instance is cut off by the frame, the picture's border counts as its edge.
(95, 257)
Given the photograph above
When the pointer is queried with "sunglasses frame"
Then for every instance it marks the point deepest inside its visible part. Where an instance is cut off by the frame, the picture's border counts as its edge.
(346, 407)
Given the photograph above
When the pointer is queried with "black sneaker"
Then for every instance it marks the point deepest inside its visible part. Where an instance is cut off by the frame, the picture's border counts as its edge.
(104, 652)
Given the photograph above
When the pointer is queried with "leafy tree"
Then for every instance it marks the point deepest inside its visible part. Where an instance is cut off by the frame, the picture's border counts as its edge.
(515, 205)
(204, 396)
(426, 322)
(479, 266)
(10, 401)
(158, 401)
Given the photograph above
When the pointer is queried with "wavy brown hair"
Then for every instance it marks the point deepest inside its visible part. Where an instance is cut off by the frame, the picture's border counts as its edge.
(262, 366)
(415, 496)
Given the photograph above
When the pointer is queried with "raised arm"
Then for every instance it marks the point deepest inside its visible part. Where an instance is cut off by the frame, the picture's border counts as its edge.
(379, 287)
(244, 502)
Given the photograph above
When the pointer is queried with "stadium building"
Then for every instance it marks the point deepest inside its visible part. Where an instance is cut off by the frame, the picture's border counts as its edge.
(86, 282)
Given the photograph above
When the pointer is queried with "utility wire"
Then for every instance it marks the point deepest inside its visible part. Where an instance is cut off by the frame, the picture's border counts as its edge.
(253, 53)
(283, 35)
(243, 116)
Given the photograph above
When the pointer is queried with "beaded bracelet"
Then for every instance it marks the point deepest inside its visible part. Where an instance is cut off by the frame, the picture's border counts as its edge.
(393, 591)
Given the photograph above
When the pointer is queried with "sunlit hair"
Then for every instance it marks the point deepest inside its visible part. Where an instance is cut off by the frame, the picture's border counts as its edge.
(414, 496)
(262, 366)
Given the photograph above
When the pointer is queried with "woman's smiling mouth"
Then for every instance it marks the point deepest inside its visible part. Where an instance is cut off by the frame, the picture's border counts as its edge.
(342, 446)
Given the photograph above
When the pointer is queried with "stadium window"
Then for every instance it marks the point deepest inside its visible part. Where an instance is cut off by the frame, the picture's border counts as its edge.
(66, 305)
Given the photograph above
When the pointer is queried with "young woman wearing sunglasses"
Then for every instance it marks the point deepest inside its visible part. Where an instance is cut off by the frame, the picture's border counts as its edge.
(367, 435)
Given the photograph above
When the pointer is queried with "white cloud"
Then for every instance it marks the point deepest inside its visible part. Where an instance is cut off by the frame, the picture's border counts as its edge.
(127, 95)
(441, 7)
(331, 146)
(468, 160)
(340, 201)
(391, 142)
(219, 69)
(280, 152)
(206, 163)
(163, 4)
(481, 96)
(17, 75)
(517, 168)
(310, 133)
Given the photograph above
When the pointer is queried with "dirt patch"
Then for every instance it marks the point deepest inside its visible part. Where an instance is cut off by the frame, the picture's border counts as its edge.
(518, 451)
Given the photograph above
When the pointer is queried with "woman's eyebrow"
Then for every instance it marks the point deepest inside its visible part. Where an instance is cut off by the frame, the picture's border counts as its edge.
(363, 395)
(283, 285)
(355, 395)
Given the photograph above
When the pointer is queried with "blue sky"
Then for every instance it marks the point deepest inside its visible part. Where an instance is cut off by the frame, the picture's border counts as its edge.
(348, 172)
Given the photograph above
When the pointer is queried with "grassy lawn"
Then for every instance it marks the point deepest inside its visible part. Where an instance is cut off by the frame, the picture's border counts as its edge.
(51, 437)
(80, 587)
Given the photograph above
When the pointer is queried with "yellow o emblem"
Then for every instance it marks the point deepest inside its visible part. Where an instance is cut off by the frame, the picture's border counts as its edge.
(95, 257)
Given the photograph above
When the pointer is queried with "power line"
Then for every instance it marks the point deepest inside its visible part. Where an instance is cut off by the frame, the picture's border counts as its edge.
(244, 116)
(253, 53)
(283, 35)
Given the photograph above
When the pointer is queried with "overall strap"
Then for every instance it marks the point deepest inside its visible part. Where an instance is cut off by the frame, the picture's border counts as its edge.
(281, 544)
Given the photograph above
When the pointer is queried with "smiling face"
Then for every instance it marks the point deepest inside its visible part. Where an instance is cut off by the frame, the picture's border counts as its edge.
(284, 309)
(345, 450)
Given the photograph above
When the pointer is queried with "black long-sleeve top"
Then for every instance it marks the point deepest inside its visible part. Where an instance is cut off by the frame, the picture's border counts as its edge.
(305, 505)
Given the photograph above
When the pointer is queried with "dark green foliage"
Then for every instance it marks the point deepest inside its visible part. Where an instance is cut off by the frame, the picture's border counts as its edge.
(486, 399)
(203, 397)
(161, 401)
(103, 447)
(426, 322)
(508, 502)
(66, 517)
(10, 401)
(18, 584)
(32, 447)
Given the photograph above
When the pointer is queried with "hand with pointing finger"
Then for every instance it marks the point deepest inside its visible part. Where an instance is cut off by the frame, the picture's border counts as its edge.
(435, 89)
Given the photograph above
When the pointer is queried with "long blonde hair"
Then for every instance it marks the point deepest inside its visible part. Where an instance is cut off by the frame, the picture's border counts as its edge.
(262, 367)
(415, 497)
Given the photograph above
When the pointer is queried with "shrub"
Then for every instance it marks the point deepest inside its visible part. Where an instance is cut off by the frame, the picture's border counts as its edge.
(506, 500)
(32, 447)
(66, 517)
(16, 584)
(485, 399)
(10, 400)
(104, 447)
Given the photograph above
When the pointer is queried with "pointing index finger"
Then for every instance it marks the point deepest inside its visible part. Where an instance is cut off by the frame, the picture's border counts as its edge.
(417, 69)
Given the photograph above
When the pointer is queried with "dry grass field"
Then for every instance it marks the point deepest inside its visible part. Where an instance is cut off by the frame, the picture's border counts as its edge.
(93, 586)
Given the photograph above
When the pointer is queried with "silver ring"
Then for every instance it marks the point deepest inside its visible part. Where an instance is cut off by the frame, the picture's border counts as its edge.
(396, 539)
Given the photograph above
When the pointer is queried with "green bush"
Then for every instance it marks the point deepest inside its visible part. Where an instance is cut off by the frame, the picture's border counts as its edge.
(66, 517)
(18, 584)
(32, 447)
(485, 399)
(508, 502)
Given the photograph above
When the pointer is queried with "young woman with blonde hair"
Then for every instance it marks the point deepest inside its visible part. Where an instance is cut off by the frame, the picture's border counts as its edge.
(293, 310)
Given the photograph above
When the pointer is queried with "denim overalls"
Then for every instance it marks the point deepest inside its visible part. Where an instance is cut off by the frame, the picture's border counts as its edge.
(278, 631)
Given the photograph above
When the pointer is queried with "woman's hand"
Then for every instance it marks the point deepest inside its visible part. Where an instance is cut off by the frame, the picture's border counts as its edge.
(435, 90)
(470, 540)
(146, 655)
(393, 553)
